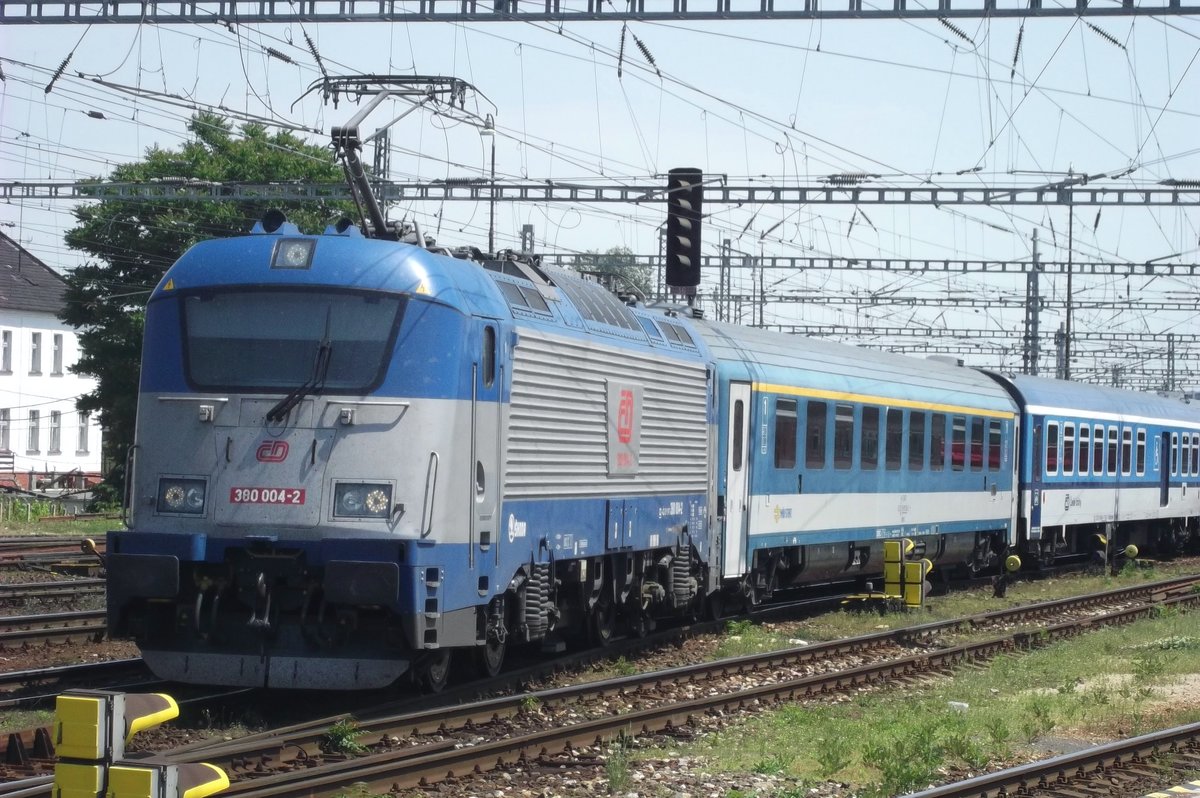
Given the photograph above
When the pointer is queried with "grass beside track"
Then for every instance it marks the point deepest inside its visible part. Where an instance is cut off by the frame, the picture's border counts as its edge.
(87, 528)
(1110, 684)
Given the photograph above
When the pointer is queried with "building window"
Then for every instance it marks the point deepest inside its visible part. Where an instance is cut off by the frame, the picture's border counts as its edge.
(785, 433)
(58, 354)
(6, 352)
(35, 353)
(869, 450)
(55, 432)
(85, 419)
(814, 449)
(5, 425)
(843, 436)
(34, 421)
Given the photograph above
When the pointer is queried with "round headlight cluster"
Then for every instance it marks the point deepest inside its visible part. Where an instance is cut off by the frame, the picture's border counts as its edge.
(184, 496)
(362, 500)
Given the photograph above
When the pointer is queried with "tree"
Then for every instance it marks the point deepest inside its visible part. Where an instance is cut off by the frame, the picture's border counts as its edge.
(133, 243)
(621, 263)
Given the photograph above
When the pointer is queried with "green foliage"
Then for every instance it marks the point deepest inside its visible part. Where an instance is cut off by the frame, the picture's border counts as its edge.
(616, 766)
(342, 737)
(621, 264)
(741, 627)
(531, 705)
(905, 762)
(133, 242)
(624, 667)
(834, 752)
(770, 765)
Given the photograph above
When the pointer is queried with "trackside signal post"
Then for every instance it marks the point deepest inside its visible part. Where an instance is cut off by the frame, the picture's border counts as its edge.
(91, 730)
(685, 197)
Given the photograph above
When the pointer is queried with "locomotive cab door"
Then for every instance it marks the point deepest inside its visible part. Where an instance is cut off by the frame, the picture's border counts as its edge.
(737, 478)
(484, 478)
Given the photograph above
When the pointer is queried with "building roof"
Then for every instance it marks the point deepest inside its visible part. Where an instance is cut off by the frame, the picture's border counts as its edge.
(26, 283)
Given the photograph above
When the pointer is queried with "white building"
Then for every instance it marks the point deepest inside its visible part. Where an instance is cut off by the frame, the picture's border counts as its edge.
(42, 435)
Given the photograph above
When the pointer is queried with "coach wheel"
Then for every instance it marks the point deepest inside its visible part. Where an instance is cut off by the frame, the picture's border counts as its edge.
(490, 657)
(714, 607)
(434, 671)
(603, 623)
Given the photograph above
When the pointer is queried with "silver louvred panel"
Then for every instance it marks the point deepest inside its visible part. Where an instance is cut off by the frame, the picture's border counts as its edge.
(557, 426)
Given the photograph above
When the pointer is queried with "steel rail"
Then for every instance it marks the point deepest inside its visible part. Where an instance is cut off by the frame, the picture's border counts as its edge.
(1060, 770)
(70, 625)
(30, 590)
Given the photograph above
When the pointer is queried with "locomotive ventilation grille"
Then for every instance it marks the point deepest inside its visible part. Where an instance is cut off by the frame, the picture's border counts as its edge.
(558, 421)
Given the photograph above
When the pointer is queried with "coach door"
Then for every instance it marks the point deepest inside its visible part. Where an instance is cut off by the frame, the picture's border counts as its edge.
(484, 475)
(737, 477)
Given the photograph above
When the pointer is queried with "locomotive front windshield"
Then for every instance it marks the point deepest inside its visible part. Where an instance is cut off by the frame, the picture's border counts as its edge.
(274, 340)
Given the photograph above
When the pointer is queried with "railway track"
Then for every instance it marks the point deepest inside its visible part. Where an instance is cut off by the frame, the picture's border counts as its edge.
(408, 749)
(1121, 769)
(51, 590)
(56, 627)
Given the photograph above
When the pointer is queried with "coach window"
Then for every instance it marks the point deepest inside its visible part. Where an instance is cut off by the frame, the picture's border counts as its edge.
(869, 451)
(916, 441)
(893, 439)
(785, 433)
(1085, 448)
(739, 412)
(1052, 448)
(1174, 454)
(994, 451)
(1112, 452)
(1195, 453)
(958, 444)
(1098, 450)
(1068, 448)
(1126, 451)
(977, 444)
(1141, 451)
(937, 442)
(814, 449)
(843, 436)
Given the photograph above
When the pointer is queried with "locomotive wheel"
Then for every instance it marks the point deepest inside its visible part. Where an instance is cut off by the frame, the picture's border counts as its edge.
(603, 622)
(490, 658)
(433, 672)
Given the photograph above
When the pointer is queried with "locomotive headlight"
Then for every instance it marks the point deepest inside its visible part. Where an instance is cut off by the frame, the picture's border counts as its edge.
(293, 253)
(362, 500)
(185, 496)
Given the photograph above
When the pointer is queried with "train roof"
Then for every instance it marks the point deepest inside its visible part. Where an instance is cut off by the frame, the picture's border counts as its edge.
(1063, 397)
(343, 259)
(772, 358)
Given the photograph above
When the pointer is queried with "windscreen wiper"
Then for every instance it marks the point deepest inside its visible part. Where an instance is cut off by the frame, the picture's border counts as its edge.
(312, 385)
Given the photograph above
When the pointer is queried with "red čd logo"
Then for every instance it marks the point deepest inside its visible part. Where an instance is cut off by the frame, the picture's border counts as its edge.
(272, 451)
(625, 417)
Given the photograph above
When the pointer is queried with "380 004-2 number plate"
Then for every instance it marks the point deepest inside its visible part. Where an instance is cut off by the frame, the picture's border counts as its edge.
(266, 495)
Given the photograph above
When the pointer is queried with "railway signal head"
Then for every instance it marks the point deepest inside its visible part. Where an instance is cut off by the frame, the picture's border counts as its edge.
(685, 195)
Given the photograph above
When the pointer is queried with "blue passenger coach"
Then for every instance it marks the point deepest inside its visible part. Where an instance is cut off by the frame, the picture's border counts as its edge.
(1102, 466)
(826, 450)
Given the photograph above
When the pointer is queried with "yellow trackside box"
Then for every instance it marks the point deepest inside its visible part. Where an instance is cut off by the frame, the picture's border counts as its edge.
(81, 726)
(78, 780)
(151, 780)
(914, 582)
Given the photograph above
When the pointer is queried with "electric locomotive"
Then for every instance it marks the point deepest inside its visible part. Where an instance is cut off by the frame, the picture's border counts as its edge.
(356, 456)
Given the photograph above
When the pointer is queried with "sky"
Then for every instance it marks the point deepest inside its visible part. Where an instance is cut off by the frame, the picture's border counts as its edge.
(911, 103)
